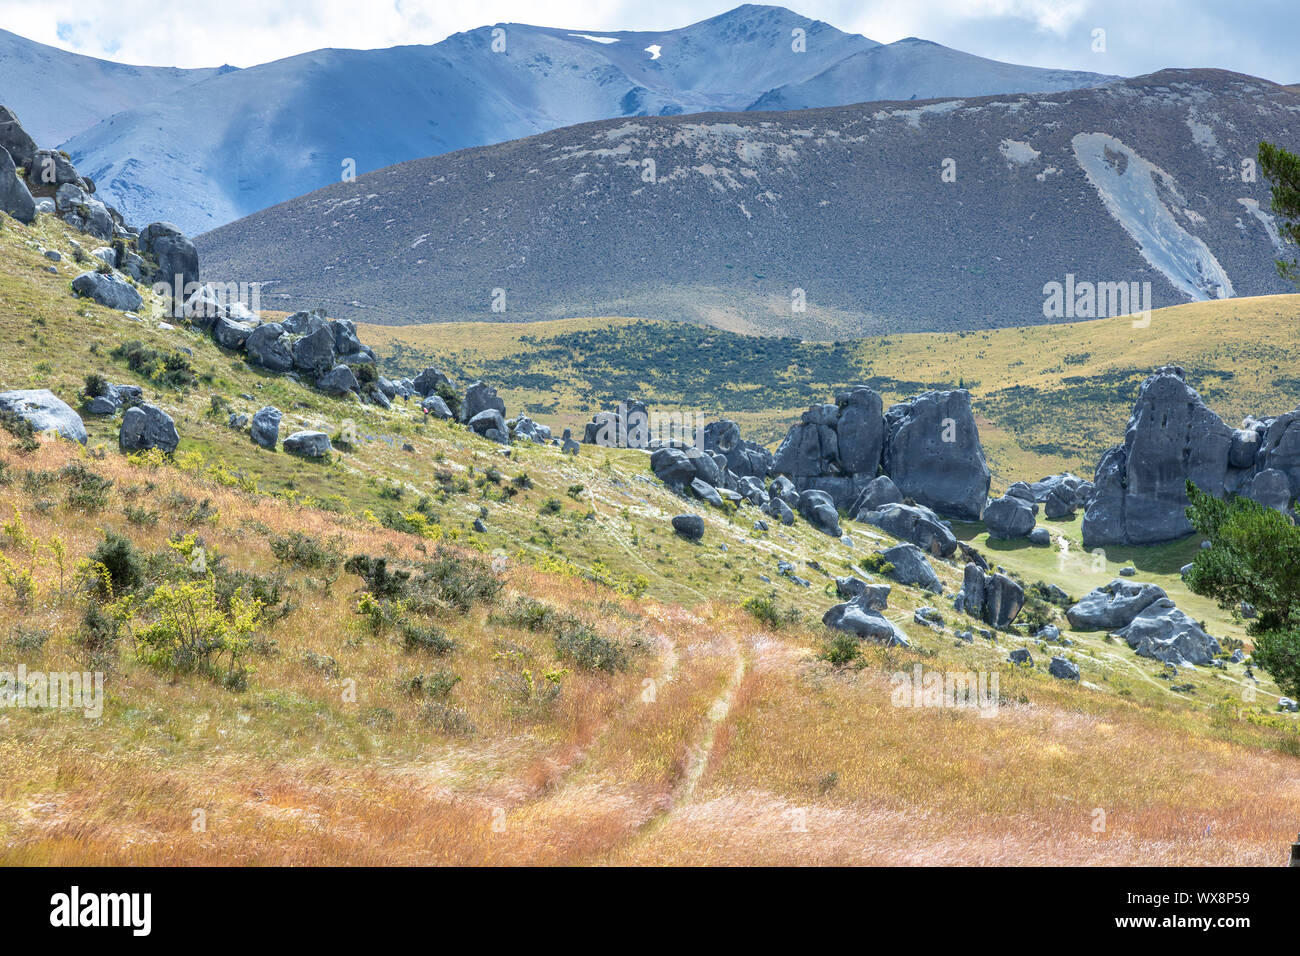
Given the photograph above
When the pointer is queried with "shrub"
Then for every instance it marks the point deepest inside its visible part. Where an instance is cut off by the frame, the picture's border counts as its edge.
(765, 610)
(460, 581)
(167, 368)
(96, 385)
(876, 564)
(87, 490)
(841, 649)
(378, 580)
(115, 566)
(437, 685)
(579, 643)
(302, 550)
(189, 631)
(428, 637)
(449, 395)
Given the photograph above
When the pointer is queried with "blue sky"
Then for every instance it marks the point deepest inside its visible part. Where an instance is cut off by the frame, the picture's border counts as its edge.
(1249, 36)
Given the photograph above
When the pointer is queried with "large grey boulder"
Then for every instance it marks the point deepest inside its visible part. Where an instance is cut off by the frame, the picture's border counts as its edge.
(490, 425)
(875, 595)
(428, 381)
(1009, 517)
(627, 426)
(113, 398)
(525, 429)
(706, 492)
(15, 198)
(674, 467)
(338, 381)
(1164, 632)
(834, 448)
(231, 334)
(313, 353)
(1113, 605)
(175, 258)
(45, 411)
(778, 509)
(1140, 494)
(308, 444)
(880, 491)
(860, 618)
(916, 524)
(690, 527)
(435, 406)
(146, 426)
(818, 510)
(50, 169)
(993, 598)
(266, 346)
(933, 454)
(15, 140)
(1063, 669)
(744, 458)
(480, 398)
(265, 430)
(108, 290)
(911, 567)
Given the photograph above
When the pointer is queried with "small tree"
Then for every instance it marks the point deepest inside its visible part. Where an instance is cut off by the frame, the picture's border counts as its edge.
(1254, 556)
(1282, 169)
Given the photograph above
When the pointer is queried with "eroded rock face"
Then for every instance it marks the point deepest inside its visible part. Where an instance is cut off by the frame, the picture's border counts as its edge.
(1164, 632)
(146, 426)
(1009, 517)
(45, 411)
(993, 598)
(835, 448)
(1113, 605)
(15, 198)
(744, 458)
(933, 454)
(916, 524)
(1141, 486)
(480, 398)
(15, 140)
(860, 618)
(1140, 493)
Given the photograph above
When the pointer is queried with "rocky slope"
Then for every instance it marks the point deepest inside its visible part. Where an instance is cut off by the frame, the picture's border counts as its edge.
(822, 223)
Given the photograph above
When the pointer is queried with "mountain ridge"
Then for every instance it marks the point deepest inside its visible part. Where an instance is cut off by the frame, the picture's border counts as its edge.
(746, 209)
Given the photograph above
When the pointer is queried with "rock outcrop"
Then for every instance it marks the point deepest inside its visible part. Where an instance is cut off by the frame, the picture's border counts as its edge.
(146, 426)
(1140, 493)
(1113, 605)
(45, 412)
(1164, 632)
(932, 452)
(993, 598)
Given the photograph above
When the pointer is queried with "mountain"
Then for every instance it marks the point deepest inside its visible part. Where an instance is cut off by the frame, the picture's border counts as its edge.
(1136, 181)
(216, 151)
(927, 69)
(58, 94)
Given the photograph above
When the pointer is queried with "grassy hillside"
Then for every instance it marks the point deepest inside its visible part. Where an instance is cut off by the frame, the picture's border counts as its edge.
(1048, 398)
(576, 684)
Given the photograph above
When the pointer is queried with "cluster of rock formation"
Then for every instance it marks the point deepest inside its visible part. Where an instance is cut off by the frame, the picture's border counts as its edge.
(1140, 494)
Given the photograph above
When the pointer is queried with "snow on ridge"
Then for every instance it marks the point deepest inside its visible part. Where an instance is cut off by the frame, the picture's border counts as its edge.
(1127, 185)
(588, 36)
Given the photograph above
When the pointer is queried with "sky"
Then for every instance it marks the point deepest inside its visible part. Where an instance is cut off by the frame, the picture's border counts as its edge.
(1141, 36)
